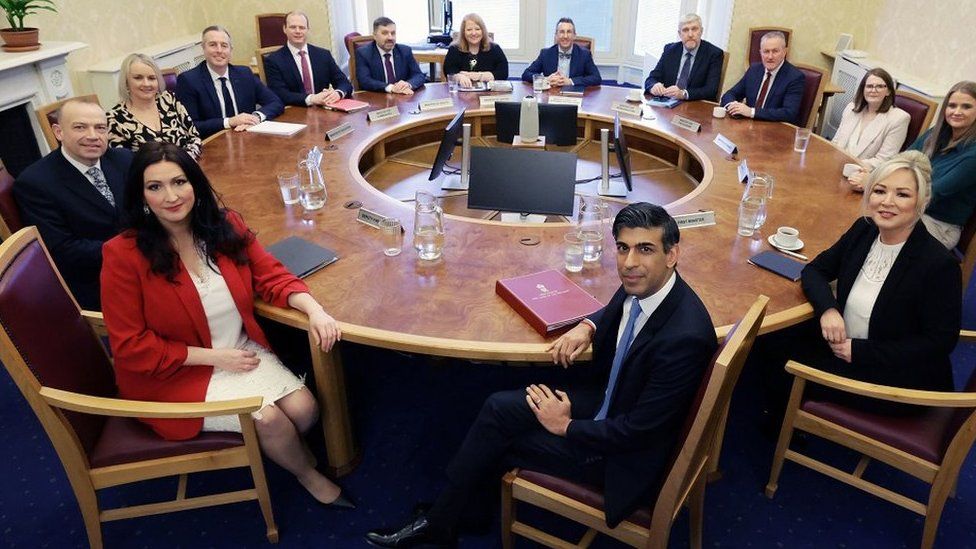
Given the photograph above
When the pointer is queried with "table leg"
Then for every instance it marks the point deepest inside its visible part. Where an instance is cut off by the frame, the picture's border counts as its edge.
(340, 446)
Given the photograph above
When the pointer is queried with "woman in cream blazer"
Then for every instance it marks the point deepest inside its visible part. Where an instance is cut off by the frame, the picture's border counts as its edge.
(872, 128)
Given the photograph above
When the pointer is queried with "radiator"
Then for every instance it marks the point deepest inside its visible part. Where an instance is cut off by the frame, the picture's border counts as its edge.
(180, 53)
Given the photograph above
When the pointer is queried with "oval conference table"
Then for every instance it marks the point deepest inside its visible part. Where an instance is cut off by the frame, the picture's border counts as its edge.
(448, 307)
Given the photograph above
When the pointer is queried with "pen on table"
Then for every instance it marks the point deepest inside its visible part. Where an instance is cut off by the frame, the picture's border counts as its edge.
(793, 254)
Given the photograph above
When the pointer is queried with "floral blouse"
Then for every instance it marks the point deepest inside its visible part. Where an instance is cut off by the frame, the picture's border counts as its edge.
(176, 127)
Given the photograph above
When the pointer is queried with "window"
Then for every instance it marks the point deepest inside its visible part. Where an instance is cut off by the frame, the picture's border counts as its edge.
(412, 18)
(593, 18)
(657, 25)
(501, 17)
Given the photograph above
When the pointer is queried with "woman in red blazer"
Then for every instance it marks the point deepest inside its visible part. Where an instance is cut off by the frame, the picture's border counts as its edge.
(178, 289)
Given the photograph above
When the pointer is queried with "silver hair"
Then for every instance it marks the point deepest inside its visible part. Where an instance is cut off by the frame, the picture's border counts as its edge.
(688, 18)
(915, 162)
(772, 34)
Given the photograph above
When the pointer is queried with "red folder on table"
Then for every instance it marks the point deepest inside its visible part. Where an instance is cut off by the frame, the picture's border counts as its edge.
(548, 300)
(347, 105)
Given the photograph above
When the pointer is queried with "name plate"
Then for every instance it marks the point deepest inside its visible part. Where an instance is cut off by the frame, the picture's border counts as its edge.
(370, 217)
(725, 144)
(490, 100)
(435, 104)
(341, 130)
(624, 108)
(685, 123)
(695, 219)
(564, 100)
(744, 173)
(383, 114)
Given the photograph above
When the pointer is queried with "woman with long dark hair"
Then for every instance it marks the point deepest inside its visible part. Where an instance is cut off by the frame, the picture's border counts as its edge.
(178, 289)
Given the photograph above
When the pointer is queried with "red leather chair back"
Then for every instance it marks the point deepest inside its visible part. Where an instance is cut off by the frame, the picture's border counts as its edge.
(169, 78)
(755, 37)
(811, 88)
(919, 113)
(57, 344)
(271, 29)
(8, 208)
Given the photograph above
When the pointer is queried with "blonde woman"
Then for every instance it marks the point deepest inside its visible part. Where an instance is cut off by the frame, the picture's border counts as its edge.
(473, 57)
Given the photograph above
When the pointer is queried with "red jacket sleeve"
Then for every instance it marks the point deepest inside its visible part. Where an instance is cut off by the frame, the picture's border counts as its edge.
(269, 278)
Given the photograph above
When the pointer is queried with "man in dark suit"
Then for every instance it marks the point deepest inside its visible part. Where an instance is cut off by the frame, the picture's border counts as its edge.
(302, 74)
(73, 195)
(651, 346)
(387, 66)
(218, 95)
(690, 69)
(771, 90)
(565, 63)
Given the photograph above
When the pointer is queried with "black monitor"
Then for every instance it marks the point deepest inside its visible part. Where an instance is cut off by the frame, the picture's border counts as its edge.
(522, 181)
(452, 134)
(623, 154)
(556, 122)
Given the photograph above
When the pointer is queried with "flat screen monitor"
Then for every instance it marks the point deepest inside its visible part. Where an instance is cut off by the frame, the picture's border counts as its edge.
(522, 181)
(623, 154)
(452, 133)
(556, 122)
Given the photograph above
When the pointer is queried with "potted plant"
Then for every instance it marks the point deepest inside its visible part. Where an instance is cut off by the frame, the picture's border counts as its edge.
(18, 37)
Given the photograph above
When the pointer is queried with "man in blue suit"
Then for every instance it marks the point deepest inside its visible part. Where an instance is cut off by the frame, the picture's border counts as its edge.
(218, 95)
(771, 90)
(617, 429)
(690, 69)
(387, 66)
(565, 63)
(73, 196)
(302, 74)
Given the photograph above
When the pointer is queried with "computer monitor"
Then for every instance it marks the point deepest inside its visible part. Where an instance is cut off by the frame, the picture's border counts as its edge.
(623, 154)
(452, 134)
(556, 122)
(522, 181)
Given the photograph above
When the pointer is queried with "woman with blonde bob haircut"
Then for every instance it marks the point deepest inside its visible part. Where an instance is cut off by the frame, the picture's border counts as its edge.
(473, 57)
(147, 112)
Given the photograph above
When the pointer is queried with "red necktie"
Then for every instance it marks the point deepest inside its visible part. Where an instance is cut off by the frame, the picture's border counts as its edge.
(390, 77)
(763, 90)
(306, 73)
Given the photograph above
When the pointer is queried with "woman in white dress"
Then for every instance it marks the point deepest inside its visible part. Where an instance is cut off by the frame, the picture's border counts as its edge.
(178, 288)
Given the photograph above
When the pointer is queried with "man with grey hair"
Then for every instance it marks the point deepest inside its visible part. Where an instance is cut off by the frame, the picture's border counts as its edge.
(302, 74)
(387, 66)
(219, 95)
(690, 69)
(770, 90)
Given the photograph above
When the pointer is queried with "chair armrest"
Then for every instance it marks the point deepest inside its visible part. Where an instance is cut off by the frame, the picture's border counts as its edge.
(967, 336)
(118, 407)
(882, 392)
(96, 321)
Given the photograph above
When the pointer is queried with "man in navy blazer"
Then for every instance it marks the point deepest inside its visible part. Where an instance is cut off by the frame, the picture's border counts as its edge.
(565, 63)
(218, 95)
(73, 196)
(782, 97)
(651, 345)
(690, 69)
(403, 75)
(286, 68)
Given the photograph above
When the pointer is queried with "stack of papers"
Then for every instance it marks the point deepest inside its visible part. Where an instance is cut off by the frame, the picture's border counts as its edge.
(271, 127)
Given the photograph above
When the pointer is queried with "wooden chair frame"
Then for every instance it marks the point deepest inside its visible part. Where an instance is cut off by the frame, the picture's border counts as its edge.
(259, 56)
(257, 25)
(942, 476)
(49, 405)
(5, 231)
(351, 45)
(818, 98)
(721, 81)
(586, 42)
(44, 111)
(933, 107)
(685, 482)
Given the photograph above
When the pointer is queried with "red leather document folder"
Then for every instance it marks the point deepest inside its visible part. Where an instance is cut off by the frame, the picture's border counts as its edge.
(347, 105)
(548, 301)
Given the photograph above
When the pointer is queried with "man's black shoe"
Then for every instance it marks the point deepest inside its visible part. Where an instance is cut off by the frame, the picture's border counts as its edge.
(418, 533)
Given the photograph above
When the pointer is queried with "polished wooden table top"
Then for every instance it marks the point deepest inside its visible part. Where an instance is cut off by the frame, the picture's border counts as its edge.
(449, 307)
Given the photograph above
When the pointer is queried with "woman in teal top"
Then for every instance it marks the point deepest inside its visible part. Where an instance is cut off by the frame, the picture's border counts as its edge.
(951, 147)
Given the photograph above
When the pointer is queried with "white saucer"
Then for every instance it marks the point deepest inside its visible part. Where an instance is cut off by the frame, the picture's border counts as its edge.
(772, 242)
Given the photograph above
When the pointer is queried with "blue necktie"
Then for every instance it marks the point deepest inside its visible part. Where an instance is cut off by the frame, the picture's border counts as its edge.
(682, 82)
(618, 358)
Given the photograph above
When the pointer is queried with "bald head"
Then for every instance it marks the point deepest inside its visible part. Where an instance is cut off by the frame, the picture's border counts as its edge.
(82, 129)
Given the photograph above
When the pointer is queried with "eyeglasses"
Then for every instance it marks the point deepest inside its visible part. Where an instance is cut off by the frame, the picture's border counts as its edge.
(875, 87)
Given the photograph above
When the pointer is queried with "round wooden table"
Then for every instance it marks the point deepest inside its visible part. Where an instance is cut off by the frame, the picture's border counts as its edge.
(448, 307)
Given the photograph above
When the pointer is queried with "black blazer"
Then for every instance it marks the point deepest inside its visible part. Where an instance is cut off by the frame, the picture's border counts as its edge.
(782, 99)
(915, 321)
(658, 380)
(285, 80)
(371, 73)
(195, 89)
(492, 60)
(74, 219)
(706, 72)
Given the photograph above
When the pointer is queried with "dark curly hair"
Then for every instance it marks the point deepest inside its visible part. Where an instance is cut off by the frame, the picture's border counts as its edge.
(208, 218)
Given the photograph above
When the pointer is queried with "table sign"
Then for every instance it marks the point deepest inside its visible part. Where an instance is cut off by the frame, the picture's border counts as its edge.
(339, 131)
(564, 100)
(744, 173)
(370, 217)
(695, 219)
(624, 108)
(685, 123)
(383, 114)
(490, 100)
(435, 104)
(725, 144)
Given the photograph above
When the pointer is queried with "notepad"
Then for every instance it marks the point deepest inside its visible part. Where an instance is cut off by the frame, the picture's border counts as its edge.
(302, 257)
(270, 127)
(778, 263)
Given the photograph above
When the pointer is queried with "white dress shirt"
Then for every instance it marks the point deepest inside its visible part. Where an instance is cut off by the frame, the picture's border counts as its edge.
(389, 87)
(220, 95)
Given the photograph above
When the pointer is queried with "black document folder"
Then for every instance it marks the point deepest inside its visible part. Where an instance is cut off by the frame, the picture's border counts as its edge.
(302, 257)
(778, 263)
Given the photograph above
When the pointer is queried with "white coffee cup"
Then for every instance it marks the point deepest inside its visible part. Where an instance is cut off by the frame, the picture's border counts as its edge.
(786, 236)
(634, 95)
(718, 112)
(851, 169)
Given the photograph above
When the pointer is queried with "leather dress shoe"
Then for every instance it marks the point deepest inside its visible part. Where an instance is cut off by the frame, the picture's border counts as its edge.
(417, 533)
(344, 501)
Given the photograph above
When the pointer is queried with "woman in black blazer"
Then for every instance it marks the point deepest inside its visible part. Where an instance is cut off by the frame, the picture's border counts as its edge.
(473, 57)
(898, 308)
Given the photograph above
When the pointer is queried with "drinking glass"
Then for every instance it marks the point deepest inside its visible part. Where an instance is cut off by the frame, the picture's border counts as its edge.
(749, 215)
(452, 83)
(759, 189)
(538, 83)
(392, 236)
(573, 252)
(801, 140)
(288, 184)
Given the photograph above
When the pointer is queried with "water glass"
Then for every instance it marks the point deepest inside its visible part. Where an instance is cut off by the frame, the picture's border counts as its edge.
(749, 215)
(392, 236)
(592, 246)
(288, 184)
(573, 252)
(452, 83)
(538, 83)
(801, 140)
